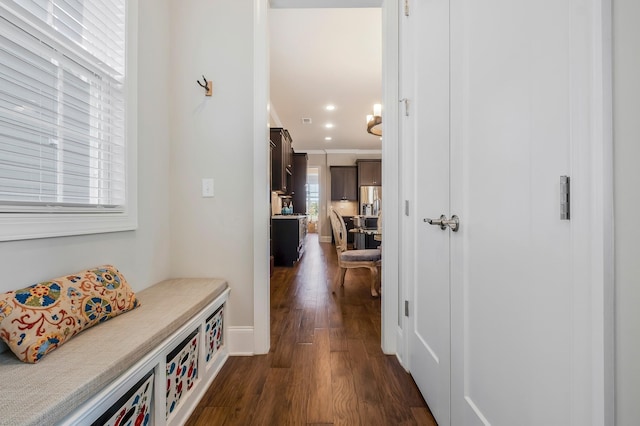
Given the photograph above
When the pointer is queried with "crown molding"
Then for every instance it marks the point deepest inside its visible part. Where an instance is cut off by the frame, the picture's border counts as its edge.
(342, 151)
(301, 4)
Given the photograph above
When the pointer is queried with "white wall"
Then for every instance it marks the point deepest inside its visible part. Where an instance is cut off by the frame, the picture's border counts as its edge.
(212, 137)
(183, 136)
(626, 122)
(141, 255)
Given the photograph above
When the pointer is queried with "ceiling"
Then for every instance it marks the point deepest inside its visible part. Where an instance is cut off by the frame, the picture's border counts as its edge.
(322, 56)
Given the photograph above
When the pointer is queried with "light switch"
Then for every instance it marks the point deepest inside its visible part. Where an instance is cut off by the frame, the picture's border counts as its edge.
(207, 187)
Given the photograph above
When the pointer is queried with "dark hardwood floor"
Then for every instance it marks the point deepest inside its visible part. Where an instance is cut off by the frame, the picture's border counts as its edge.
(325, 365)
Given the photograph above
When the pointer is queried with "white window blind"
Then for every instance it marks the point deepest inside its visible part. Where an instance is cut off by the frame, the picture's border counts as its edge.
(62, 99)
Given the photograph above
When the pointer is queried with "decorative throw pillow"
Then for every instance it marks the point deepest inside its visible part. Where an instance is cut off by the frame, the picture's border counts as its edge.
(37, 319)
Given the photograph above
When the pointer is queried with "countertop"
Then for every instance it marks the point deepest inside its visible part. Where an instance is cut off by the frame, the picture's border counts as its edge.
(365, 231)
(288, 216)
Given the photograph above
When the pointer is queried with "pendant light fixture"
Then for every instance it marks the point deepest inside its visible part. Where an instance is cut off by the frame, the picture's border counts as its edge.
(374, 122)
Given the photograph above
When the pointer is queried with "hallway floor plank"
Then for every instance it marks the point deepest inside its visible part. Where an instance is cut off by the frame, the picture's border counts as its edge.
(325, 365)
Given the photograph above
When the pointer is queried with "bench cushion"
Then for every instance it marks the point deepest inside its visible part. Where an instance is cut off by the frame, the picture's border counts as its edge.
(38, 319)
(46, 392)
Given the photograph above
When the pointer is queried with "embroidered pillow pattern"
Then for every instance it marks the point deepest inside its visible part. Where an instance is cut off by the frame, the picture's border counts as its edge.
(37, 319)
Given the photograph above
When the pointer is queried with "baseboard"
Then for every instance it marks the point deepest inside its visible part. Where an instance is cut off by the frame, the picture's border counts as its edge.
(240, 341)
(325, 239)
(400, 348)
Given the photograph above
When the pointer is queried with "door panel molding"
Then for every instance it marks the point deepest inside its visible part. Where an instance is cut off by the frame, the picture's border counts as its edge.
(593, 240)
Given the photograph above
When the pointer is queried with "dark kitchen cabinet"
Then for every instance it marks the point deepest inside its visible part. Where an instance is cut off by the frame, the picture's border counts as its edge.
(348, 223)
(344, 183)
(299, 196)
(364, 241)
(271, 147)
(288, 234)
(369, 172)
(281, 160)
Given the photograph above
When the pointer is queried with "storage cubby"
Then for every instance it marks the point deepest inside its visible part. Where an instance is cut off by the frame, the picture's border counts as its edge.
(182, 370)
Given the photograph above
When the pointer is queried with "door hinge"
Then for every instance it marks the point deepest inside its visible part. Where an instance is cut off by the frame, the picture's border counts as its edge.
(565, 198)
(406, 105)
(406, 7)
(406, 207)
(406, 308)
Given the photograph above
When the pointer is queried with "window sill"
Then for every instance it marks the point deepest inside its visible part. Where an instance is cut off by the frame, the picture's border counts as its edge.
(14, 227)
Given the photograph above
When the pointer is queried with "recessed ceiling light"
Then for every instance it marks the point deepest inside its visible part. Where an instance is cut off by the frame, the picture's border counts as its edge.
(329, 126)
(330, 107)
(328, 138)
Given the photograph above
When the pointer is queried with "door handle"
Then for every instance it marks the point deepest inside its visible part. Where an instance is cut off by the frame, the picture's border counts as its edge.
(443, 222)
(437, 222)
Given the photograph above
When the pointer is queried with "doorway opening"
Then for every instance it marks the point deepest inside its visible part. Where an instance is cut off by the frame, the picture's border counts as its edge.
(313, 199)
(388, 24)
(325, 68)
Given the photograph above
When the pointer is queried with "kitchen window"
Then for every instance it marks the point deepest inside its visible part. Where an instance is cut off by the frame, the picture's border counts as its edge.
(313, 195)
(63, 145)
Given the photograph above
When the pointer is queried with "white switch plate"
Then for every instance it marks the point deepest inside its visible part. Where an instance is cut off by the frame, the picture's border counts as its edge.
(207, 187)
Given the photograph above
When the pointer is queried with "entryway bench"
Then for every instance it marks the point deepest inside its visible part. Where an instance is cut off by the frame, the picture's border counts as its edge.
(153, 363)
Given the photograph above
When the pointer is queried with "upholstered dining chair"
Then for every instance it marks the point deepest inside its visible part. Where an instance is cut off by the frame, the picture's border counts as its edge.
(348, 259)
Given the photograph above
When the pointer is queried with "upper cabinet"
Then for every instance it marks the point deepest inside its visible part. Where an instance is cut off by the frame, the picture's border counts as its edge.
(369, 172)
(281, 160)
(344, 183)
(299, 186)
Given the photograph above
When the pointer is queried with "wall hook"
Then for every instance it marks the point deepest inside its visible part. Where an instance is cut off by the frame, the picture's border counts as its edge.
(208, 86)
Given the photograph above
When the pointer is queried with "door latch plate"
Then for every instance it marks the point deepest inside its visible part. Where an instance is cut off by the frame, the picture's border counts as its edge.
(565, 198)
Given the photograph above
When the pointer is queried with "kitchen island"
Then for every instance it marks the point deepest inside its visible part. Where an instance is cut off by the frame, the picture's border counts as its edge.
(366, 232)
(287, 234)
(365, 238)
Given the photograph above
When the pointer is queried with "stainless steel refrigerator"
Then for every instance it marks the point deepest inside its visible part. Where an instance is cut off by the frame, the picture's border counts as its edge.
(370, 200)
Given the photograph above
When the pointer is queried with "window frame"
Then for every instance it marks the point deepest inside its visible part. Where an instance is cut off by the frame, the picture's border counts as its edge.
(66, 222)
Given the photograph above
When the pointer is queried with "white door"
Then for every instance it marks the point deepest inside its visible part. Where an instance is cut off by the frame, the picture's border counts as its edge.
(500, 102)
(425, 63)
